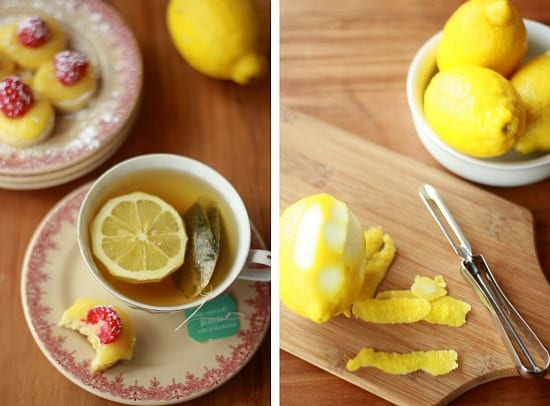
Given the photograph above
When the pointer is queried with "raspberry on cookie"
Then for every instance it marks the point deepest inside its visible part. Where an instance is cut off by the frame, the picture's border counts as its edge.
(32, 40)
(107, 328)
(25, 120)
(68, 80)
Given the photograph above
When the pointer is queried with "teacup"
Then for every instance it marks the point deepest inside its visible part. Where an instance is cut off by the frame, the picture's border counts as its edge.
(179, 181)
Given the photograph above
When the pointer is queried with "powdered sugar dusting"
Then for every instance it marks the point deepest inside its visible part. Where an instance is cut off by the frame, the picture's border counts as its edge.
(108, 117)
(88, 135)
(70, 66)
(109, 321)
(96, 17)
(33, 31)
(15, 97)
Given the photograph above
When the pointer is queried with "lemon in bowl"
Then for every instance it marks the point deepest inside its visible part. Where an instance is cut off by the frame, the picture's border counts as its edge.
(475, 110)
(509, 169)
(532, 81)
(487, 33)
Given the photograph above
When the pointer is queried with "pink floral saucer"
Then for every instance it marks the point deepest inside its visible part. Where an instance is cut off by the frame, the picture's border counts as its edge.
(168, 366)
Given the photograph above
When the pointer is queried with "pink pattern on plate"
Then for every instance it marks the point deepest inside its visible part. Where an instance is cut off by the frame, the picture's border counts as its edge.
(180, 388)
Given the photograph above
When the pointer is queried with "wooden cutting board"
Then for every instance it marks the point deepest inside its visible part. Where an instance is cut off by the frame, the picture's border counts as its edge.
(381, 188)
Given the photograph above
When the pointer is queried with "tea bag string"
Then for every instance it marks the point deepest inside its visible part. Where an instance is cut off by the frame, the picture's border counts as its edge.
(228, 315)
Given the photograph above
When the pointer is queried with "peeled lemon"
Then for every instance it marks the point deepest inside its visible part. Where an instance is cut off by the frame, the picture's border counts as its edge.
(322, 257)
(488, 33)
(474, 110)
(532, 81)
(220, 38)
(139, 238)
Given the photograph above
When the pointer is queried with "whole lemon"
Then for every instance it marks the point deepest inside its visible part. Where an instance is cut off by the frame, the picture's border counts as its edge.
(532, 81)
(488, 33)
(474, 110)
(224, 39)
(322, 257)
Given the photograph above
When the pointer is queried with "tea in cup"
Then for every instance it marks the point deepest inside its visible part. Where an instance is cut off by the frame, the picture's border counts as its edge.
(180, 182)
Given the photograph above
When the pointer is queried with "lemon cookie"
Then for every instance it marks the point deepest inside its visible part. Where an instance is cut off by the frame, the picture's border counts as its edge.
(24, 119)
(68, 80)
(32, 40)
(7, 67)
(107, 328)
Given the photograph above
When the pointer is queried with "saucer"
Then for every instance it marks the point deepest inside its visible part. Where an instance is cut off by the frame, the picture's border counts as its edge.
(95, 28)
(168, 367)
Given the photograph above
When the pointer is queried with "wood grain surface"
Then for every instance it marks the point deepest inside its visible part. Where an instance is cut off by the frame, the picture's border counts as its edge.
(222, 124)
(345, 63)
(381, 188)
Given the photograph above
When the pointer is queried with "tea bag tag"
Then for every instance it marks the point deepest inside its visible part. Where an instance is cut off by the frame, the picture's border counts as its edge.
(217, 318)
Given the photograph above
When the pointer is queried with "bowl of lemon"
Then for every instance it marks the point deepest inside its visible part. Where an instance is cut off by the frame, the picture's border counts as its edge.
(479, 95)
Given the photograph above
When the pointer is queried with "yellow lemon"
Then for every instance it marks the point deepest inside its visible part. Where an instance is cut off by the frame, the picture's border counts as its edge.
(474, 110)
(224, 39)
(322, 257)
(488, 33)
(139, 238)
(532, 81)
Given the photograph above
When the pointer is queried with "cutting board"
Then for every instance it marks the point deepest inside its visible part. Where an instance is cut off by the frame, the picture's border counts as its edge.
(381, 188)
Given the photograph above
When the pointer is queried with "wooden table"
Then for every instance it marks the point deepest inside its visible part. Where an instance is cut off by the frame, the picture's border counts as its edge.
(345, 63)
(220, 123)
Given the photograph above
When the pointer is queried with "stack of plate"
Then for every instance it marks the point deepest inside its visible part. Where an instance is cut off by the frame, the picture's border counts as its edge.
(83, 140)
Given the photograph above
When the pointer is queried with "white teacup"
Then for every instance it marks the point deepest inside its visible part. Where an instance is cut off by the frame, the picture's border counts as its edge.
(174, 177)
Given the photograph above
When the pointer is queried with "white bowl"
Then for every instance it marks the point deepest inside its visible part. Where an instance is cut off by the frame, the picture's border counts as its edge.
(510, 169)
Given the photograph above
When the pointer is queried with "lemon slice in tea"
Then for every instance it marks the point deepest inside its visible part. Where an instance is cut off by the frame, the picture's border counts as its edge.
(139, 238)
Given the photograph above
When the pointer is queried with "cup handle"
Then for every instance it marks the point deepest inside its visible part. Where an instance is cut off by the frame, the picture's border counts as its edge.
(258, 273)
